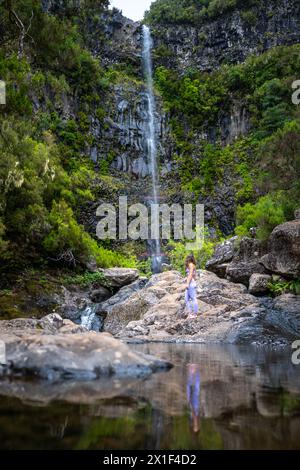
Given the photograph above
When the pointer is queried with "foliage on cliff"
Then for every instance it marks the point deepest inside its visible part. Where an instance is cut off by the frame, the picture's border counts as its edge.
(193, 12)
(46, 174)
(265, 163)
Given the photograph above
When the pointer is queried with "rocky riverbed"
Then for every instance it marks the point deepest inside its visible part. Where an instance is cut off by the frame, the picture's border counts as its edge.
(60, 344)
(54, 348)
(85, 336)
(228, 313)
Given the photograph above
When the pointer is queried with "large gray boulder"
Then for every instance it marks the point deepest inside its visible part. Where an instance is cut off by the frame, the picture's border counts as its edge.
(246, 261)
(128, 304)
(275, 322)
(285, 314)
(119, 277)
(223, 255)
(228, 313)
(284, 250)
(100, 294)
(51, 350)
(258, 283)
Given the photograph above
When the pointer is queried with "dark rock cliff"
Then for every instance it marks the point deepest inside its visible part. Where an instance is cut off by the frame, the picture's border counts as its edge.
(118, 138)
(229, 39)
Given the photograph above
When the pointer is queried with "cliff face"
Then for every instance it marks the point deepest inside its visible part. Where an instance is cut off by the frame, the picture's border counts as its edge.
(116, 42)
(229, 39)
(118, 134)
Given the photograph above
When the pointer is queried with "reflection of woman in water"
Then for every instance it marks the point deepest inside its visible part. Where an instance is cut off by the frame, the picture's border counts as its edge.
(193, 395)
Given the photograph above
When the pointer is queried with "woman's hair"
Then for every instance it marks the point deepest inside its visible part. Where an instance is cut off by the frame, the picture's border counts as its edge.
(190, 259)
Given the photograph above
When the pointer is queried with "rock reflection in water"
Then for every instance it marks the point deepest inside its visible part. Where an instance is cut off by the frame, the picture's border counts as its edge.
(215, 397)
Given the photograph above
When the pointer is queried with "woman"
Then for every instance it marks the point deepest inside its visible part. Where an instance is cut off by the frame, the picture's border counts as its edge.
(191, 286)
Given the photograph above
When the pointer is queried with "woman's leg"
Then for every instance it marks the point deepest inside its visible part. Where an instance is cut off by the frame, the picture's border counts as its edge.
(193, 297)
(187, 300)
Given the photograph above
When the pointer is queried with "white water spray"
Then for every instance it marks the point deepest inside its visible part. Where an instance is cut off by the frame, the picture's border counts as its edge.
(151, 140)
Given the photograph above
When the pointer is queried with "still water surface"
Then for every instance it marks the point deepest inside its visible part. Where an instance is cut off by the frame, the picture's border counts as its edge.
(215, 397)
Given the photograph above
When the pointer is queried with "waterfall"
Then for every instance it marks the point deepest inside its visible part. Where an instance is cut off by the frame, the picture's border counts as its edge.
(154, 245)
(89, 318)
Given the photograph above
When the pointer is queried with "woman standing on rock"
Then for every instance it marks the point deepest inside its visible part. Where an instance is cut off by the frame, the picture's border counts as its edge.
(191, 286)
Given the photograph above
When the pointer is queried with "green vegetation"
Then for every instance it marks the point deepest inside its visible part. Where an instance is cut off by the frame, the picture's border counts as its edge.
(86, 279)
(281, 286)
(265, 214)
(264, 167)
(178, 252)
(46, 174)
(195, 12)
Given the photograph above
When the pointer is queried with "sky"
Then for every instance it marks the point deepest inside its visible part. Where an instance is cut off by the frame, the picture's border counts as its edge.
(133, 9)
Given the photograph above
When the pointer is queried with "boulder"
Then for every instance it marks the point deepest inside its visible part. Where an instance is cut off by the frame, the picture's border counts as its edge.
(130, 309)
(258, 283)
(69, 352)
(100, 294)
(228, 313)
(222, 256)
(119, 277)
(160, 309)
(71, 303)
(284, 314)
(297, 214)
(246, 261)
(284, 250)
(275, 322)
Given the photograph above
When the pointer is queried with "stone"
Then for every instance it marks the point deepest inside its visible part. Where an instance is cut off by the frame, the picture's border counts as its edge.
(119, 277)
(258, 283)
(118, 315)
(285, 314)
(70, 353)
(275, 322)
(246, 261)
(228, 313)
(100, 294)
(91, 265)
(51, 321)
(284, 250)
(70, 304)
(223, 254)
(297, 214)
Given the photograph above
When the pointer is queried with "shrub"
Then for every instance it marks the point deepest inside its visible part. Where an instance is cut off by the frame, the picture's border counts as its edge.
(265, 215)
(69, 243)
(179, 252)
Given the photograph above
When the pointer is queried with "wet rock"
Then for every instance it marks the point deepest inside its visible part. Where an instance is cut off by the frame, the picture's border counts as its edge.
(100, 294)
(69, 352)
(285, 314)
(223, 254)
(119, 277)
(258, 283)
(284, 250)
(247, 261)
(227, 313)
(276, 323)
